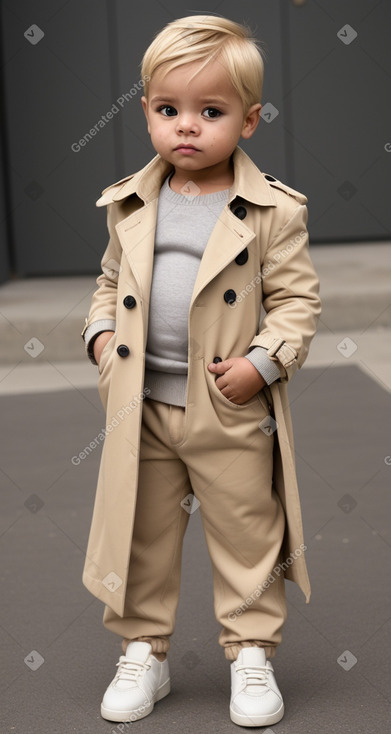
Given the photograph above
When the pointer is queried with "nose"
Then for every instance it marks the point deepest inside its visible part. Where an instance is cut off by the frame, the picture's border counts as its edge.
(187, 123)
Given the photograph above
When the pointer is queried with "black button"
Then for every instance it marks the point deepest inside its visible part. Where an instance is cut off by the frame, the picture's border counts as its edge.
(269, 178)
(242, 258)
(230, 296)
(216, 360)
(240, 212)
(123, 350)
(129, 302)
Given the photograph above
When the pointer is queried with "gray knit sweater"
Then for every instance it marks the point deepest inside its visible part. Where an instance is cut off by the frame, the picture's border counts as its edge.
(184, 225)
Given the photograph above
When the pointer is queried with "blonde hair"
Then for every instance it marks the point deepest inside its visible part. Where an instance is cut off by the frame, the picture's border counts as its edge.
(207, 38)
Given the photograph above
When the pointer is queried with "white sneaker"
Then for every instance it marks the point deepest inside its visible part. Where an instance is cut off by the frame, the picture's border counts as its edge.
(141, 680)
(255, 697)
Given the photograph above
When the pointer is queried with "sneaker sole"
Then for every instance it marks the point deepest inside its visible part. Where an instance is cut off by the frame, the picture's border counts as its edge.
(138, 713)
(261, 720)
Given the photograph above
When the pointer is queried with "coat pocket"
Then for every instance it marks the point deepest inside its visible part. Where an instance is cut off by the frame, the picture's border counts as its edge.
(234, 406)
(216, 394)
(106, 351)
(104, 369)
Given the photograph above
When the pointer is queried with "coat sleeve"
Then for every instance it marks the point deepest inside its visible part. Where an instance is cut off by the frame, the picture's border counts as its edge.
(290, 296)
(102, 314)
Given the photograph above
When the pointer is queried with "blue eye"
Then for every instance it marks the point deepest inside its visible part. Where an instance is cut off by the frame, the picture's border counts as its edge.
(213, 113)
(167, 110)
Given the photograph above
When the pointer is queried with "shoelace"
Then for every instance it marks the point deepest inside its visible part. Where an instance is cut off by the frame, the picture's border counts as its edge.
(130, 669)
(258, 676)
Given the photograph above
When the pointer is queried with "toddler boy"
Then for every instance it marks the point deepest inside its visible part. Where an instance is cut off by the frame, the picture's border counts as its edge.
(193, 384)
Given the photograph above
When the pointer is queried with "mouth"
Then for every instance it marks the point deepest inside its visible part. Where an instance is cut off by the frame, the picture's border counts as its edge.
(184, 147)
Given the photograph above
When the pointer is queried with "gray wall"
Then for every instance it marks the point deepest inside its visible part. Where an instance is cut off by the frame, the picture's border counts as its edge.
(4, 233)
(328, 139)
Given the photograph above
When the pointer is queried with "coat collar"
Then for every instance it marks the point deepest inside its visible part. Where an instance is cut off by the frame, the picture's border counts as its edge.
(249, 182)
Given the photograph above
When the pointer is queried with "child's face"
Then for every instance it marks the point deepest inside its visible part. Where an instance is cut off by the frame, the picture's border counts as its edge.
(206, 113)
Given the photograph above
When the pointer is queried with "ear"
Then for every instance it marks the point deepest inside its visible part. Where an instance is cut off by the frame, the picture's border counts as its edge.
(144, 103)
(251, 121)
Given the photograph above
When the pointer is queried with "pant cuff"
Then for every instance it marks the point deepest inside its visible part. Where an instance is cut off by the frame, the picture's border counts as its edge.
(232, 651)
(158, 644)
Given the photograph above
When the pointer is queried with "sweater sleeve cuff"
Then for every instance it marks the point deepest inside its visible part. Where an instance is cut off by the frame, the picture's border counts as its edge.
(266, 367)
(92, 331)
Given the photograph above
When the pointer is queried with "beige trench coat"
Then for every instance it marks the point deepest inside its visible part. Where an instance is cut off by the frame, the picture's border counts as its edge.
(278, 273)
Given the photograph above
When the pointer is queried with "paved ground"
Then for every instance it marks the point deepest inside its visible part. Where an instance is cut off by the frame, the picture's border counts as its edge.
(333, 666)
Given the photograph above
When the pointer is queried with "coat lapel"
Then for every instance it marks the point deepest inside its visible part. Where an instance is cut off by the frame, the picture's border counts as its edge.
(136, 234)
(228, 238)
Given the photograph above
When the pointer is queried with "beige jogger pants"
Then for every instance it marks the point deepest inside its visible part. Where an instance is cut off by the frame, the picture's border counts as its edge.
(230, 473)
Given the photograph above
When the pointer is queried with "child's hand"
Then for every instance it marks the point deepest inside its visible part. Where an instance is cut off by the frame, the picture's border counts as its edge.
(100, 342)
(238, 379)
